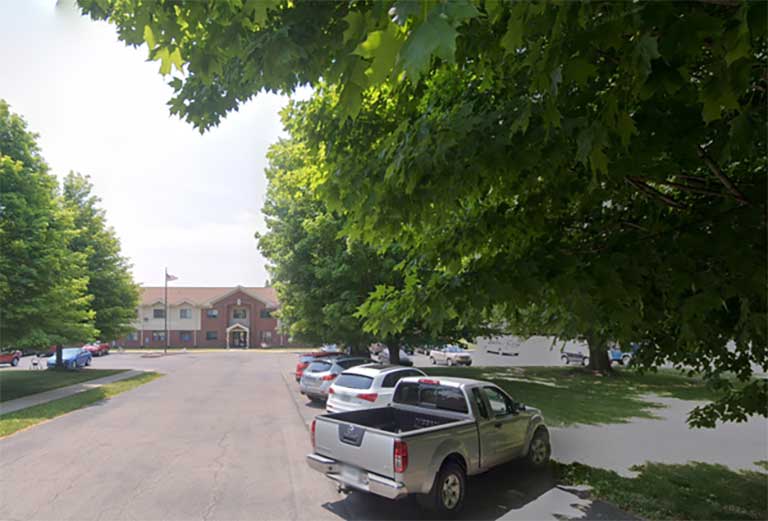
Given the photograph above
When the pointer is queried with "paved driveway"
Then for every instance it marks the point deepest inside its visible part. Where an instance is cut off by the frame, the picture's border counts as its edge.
(222, 436)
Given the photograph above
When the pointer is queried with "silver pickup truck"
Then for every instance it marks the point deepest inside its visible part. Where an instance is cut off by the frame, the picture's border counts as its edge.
(435, 433)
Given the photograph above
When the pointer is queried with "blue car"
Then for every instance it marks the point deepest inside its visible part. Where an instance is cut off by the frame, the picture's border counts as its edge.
(623, 357)
(73, 358)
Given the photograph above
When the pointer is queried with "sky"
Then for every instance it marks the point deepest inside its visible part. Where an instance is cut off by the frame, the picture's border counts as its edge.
(176, 199)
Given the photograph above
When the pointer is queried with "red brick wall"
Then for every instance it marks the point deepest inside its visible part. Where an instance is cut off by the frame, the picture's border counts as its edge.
(255, 324)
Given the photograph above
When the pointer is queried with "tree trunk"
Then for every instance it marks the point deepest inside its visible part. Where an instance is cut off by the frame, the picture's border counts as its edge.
(598, 354)
(394, 354)
(59, 357)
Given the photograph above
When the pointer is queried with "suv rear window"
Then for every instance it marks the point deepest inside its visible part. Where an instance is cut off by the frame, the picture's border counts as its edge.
(430, 395)
(346, 364)
(354, 381)
(318, 367)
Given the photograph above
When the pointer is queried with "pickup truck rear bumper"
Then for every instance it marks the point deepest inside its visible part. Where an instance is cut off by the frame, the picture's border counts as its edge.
(360, 480)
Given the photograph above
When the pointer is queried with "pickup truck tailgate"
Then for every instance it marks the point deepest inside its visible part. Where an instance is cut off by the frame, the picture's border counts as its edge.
(355, 445)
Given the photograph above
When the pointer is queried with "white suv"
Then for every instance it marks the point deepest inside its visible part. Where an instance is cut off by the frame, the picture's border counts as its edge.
(366, 386)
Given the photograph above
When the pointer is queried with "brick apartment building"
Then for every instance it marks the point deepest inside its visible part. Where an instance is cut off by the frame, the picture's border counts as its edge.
(236, 317)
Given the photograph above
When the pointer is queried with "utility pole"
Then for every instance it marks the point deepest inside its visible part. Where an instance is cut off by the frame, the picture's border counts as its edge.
(165, 307)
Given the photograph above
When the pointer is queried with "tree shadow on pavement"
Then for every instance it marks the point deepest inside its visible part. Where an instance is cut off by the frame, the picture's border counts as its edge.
(489, 496)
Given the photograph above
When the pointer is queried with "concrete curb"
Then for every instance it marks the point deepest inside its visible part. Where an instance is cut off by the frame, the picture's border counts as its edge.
(62, 392)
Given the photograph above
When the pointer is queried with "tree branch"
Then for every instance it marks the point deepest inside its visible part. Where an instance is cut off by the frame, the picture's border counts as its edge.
(654, 193)
(715, 169)
(684, 187)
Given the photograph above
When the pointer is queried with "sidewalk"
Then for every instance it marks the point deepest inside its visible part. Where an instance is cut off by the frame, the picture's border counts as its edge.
(62, 392)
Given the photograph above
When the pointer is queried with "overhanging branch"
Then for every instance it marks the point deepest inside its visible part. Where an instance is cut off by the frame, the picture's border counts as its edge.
(717, 171)
(640, 185)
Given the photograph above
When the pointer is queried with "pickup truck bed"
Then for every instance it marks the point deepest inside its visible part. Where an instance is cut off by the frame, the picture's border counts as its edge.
(392, 419)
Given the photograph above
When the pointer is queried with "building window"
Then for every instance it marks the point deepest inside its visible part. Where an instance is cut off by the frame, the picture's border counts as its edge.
(264, 313)
(158, 313)
(158, 336)
(185, 313)
(211, 335)
(133, 336)
(212, 313)
(185, 336)
(239, 313)
(266, 336)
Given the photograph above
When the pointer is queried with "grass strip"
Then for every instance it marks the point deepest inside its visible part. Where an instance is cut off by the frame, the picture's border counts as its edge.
(17, 384)
(569, 396)
(25, 418)
(694, 491)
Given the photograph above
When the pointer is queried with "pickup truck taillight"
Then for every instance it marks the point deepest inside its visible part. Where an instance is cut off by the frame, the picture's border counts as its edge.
(329, 377)
(400, 456)
(368, 397)
(312, 434)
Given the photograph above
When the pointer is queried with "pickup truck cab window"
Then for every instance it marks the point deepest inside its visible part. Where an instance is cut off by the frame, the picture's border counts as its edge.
(500, 404)
(432, 396)
(479, 403)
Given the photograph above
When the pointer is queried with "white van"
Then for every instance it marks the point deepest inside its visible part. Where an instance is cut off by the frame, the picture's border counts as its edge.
(506, 345)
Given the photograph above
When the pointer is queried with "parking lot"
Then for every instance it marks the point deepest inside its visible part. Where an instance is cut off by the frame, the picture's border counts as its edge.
(224, 436)
(221, 436)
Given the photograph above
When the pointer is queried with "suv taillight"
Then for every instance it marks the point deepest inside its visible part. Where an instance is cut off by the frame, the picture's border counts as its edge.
(329, 377)
(312, 434)
(368, 397)
(400, 456)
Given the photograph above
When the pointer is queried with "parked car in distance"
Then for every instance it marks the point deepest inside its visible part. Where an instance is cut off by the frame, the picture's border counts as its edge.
(450, 355)
(404, 358)
(435, 433)
(307, 358)
(574, 357)
(622, 356)
(317, 378)
(10, 357)
(97, 348)
(331, 348)
(366, 386)
(505, 345)
(72, 357)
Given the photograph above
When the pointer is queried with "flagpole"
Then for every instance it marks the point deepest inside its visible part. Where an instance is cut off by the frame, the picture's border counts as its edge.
(165, 304)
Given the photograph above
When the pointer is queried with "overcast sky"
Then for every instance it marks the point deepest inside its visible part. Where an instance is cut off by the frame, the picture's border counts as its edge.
(175, 198)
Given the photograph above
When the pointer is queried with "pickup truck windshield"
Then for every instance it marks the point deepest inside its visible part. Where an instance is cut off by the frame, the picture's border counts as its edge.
(430, 395)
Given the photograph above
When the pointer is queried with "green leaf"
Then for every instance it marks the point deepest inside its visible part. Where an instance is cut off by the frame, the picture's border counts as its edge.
(625, 126)
(647, 50)
(741, 46)
(355, 25)
(460, 10)
(175, 59)
(579, 70)
(149, 37)
(513, 38)
(434, 37)
(382, 48)
(164, 56)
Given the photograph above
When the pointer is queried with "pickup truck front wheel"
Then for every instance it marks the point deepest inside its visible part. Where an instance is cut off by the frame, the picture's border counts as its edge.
(539, 450)
(447, 495)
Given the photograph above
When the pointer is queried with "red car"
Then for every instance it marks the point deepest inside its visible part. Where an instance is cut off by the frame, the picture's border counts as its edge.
(10, 357)
(308, 358)
(97, 348)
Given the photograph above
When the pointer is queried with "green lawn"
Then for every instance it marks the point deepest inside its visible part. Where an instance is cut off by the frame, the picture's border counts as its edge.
(15, 384)
(699, 491)
(16, 421)
(569, 396)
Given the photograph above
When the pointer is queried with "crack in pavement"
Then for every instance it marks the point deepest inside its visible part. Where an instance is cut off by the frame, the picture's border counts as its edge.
(220, 466)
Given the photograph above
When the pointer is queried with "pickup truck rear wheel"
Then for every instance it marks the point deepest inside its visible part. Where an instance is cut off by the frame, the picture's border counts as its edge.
(447, 495)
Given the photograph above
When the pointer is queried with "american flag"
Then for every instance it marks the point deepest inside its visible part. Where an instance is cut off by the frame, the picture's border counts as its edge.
(169, 277)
